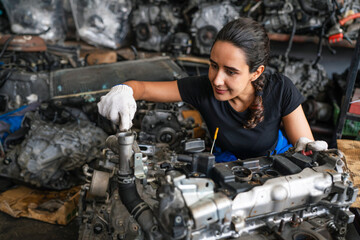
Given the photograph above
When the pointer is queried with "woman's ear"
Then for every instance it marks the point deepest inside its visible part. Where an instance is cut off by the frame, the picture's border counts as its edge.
(258, 72)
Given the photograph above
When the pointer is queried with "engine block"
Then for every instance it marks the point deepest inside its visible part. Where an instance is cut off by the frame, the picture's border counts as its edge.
(188, 196)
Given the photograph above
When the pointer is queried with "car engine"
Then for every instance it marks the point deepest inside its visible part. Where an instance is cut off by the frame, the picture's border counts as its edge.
(154, 25)
(44, 18)
(208, 20)
(304, 15)
(186, 195)
(103, 23)
(308, 78)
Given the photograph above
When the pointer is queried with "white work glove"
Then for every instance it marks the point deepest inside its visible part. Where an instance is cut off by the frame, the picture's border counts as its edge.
(306, 144)
(118, 106)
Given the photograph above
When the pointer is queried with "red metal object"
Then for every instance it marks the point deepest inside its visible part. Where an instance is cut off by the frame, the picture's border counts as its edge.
(336, 38)
(24, 43)
(308, 153)
(348, 18)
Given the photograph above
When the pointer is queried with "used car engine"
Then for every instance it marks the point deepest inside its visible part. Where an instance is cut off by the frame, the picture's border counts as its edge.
(154, 26)
(186, 195)
(208, 20)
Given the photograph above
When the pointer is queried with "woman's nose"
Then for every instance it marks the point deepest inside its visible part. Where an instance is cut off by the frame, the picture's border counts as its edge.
(219, 79)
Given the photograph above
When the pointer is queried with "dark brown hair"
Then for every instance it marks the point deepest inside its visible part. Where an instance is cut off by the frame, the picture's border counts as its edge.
(251, 37)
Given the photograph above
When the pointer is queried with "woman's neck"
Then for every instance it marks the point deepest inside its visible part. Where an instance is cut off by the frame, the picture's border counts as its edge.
(244, 100)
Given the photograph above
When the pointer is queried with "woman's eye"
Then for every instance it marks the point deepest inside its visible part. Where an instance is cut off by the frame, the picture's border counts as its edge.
(230, 72)
(214, 66)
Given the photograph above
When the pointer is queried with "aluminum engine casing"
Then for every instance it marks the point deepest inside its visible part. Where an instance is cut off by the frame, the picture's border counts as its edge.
(290, 196)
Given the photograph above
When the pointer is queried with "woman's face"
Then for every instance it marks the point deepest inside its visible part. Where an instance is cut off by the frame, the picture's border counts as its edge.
(229, 73)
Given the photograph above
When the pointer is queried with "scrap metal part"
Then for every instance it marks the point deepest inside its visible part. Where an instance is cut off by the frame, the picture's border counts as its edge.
(89, 81)
(82, 85)
(102, 23)
(26, 43)
(287, 196)
(37, 17)
(310, 80)
(154, 26)
(51, 151)
(208, 20)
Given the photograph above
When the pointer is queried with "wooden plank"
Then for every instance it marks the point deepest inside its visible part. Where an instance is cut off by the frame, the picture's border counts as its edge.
(351, 150)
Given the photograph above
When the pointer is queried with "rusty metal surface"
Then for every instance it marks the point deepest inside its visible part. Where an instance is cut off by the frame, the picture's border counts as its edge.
(24, 43)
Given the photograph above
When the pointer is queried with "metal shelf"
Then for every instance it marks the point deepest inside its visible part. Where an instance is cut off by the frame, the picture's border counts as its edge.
(350, 83)
(282, 37)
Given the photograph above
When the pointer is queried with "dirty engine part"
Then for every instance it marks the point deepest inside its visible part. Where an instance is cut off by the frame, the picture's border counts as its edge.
(178, 196)
(51, 151)
(102, 22)
(45, 18)
(207, 21)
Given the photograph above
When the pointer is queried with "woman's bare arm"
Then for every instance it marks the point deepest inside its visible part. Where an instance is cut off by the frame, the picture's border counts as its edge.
(296, 125)
(155, 91)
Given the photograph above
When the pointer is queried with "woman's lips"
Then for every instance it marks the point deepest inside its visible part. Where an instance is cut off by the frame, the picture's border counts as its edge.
(220, 91)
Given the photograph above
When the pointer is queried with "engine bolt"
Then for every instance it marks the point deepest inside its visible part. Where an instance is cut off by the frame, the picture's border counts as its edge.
(178, 219)
(98, 228)
(7, 161)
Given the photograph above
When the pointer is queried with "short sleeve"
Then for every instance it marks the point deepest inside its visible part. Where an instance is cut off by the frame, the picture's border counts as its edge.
(292, 97)
(194, 89)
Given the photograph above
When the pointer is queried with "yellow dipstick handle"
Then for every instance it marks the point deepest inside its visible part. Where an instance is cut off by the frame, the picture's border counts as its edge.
(215, 137)
(216, 132)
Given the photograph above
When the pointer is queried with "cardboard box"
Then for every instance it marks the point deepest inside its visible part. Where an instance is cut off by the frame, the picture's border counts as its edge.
(355, 105)
(56, 207)
(351, 150)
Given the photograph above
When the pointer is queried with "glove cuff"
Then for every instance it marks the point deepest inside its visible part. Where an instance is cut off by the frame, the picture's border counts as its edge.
(122, 89)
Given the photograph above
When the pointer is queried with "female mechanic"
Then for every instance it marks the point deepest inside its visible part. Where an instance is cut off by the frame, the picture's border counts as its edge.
(236, 96)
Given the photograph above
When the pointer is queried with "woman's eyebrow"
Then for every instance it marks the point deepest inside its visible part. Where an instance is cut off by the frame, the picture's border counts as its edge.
(227, 67)
(212, 61)
(231, 68)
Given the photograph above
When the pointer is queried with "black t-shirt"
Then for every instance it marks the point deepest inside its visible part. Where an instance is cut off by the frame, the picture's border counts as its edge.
(280, 98)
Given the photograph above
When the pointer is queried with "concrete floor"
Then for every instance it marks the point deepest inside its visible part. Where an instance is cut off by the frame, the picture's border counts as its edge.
(24, 228)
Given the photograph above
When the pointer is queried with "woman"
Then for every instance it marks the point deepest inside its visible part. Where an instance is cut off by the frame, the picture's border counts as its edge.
(237, 96)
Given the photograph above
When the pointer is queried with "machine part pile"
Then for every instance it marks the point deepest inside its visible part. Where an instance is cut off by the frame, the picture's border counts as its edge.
(282, 16)
(157, 24)
(309, 79)
(189, 196)
(51, 151)
(75, 85)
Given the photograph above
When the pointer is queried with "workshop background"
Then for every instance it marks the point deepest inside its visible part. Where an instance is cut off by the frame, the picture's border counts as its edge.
(57, 58)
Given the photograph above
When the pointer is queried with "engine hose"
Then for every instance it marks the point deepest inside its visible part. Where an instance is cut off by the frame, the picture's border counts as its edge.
(138, 209)
(6, 44)
(129, 196)
(321, 36)
(306, 8)
(291, 37)
(272, 4)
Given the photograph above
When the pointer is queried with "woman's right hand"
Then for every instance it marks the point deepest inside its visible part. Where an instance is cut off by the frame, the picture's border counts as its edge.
(119, 106)
(305, 144)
